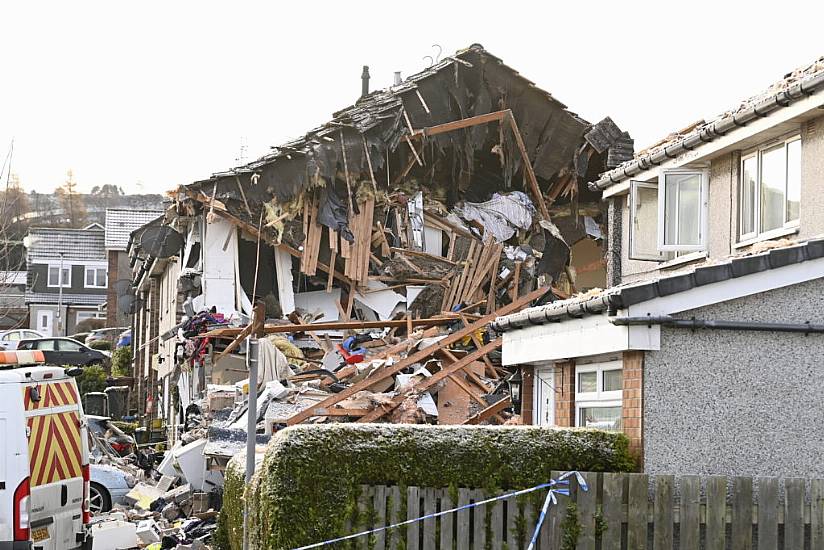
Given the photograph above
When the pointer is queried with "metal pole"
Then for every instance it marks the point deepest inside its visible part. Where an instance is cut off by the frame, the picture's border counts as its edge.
(60, 298)
(251, 414)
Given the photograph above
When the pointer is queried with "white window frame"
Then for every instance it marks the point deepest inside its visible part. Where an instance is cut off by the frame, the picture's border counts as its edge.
(703, 222)
(94, 268)
(599, 398)
(66, 283)
(634, 185)
(788, 225)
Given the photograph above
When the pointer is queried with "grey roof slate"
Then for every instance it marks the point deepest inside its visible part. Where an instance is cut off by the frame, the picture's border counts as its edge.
(46, 243)
(121, 222)
(620, 297)
(68, 298)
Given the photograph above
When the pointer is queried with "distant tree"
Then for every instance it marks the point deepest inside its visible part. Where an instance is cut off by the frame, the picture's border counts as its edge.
(71, 202)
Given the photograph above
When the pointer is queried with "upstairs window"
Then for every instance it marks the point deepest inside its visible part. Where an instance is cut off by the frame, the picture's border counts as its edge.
(769, 194)
(55, 278)
(682, 210)
(96, 277)
(643, 208)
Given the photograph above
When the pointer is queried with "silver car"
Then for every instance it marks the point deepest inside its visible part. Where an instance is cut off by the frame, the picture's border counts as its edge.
(10, 338)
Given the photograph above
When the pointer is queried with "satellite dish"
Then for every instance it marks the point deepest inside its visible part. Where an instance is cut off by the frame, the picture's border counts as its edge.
(161, 241)
(137, 303)
(122, 286)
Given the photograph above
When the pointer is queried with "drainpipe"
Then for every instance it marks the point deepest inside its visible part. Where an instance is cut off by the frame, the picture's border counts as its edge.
(694, 324)
(365, 81)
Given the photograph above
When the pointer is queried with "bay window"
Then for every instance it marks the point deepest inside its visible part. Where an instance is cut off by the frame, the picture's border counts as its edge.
(769, 193)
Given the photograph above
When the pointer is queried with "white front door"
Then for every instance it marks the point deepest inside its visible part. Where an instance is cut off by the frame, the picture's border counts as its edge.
(45, 322)
(544, 405)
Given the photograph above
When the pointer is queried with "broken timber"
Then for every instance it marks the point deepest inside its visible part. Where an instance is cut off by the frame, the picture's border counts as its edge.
(389, 371)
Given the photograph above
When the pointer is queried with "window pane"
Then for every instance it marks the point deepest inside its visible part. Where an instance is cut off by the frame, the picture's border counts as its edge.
(101, 277)
(793, 179)
(587, 382)
(53, 271)
(645, 222)
(773, 172)
(65, 276)
(603, 418)
(683, 209)
(746, 206)
(46, 345)
(66, 345)
(90, 277)
(613, 380)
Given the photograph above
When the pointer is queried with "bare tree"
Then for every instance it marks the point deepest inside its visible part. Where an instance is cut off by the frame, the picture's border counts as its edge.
(71, 201)
(13, 227)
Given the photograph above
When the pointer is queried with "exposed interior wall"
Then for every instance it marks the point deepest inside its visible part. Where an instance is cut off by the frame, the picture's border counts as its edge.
(586, 257)
(738, 402)
(219, 254)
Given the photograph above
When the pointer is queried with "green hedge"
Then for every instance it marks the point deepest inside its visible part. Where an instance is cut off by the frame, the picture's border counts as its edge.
(229, 533)
(306, 488)
(93, 379)
(122, 361)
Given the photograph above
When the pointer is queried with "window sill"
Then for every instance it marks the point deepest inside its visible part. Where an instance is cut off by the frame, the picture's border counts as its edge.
(768, 236)
(681, 260)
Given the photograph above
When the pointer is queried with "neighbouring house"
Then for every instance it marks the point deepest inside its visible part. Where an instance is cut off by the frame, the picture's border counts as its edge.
(463, 187)
(706, 349)
(67, 277)
(13, 310)
(120, 222)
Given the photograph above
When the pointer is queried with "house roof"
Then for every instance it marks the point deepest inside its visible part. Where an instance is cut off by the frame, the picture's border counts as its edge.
(623, 296)
(45, 244)
(121, 222)
(469, 83)
(794, 86)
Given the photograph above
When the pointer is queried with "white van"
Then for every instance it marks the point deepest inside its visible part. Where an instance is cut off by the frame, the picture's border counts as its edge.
(44, 459)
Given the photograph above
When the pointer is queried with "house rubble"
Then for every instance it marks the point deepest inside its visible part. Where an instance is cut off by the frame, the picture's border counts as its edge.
(380, 245)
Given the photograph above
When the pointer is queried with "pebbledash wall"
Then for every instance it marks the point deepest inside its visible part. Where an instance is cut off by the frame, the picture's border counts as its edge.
(739, 402)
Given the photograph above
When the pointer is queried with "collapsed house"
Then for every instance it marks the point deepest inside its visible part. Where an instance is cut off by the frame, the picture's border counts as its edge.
(381, 245)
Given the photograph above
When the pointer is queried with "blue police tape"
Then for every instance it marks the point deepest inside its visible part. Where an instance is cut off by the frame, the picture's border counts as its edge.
(562, 481)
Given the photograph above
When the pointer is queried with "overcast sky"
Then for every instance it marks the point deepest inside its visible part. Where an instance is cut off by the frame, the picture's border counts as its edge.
(150, 95)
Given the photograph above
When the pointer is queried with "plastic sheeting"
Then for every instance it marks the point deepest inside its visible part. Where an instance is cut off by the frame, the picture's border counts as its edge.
(502, 215)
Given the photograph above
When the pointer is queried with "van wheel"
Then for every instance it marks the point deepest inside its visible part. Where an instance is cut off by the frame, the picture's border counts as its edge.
(99, 499)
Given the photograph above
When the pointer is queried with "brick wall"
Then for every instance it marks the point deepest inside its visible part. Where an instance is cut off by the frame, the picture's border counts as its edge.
(565, 394)
(633, 401)
(527, 395)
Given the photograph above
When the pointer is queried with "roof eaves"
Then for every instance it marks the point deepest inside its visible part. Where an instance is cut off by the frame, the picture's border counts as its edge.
(711, 131)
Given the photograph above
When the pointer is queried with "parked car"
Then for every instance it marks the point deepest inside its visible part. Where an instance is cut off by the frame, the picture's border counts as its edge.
(101, 334)
(65, 351)
(121, 442)
(109, 486)
(42, 506)
(125, 339)
(10, 338)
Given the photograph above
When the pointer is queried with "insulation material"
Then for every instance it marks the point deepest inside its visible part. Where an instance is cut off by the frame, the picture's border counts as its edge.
(416, 228)
(502, 215)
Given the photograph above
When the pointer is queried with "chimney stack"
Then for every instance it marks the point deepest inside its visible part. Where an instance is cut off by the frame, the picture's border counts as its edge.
(398, 79)
(365, 81)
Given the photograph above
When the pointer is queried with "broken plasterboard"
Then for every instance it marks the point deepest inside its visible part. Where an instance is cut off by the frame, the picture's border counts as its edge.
(322, 302)
(380, 299)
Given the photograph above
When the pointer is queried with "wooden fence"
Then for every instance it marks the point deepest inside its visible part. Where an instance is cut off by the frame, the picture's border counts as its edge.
(619, 512)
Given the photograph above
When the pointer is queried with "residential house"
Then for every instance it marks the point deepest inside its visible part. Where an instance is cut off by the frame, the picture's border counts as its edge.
(120, 223)
(706, 349)
(67, 277)
(374, 214)
(13, 310)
